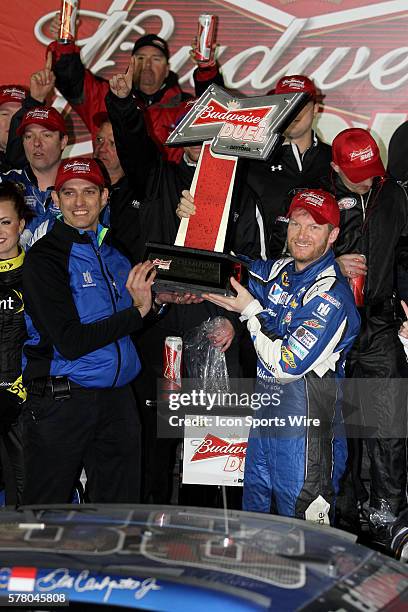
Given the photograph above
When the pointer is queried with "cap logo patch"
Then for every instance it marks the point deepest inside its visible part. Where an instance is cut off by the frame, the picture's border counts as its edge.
(13, 91)
(77, 167)
(38, 114)
(362, 154)
(312, 199)
(294, 83)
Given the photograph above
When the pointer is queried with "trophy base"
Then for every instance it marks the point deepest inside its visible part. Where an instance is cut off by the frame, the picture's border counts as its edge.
(186, 270)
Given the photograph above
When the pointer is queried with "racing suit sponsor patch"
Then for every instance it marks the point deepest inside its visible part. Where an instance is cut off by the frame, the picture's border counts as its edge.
(314, 323)
(331, 299)
(297, 348)
(323, 309)
(288, 357)
(275, 293)
(305, 337)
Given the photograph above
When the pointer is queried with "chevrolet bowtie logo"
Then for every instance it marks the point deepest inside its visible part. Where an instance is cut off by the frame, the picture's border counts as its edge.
(278, 167)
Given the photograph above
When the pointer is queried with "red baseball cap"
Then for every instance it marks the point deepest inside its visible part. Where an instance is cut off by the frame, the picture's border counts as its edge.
(320, 204)
(46, 116)
(79, 168)
(296, 83)
(12, 93)
(357, 154)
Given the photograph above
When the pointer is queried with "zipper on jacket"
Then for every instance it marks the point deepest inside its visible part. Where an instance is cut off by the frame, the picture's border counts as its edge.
(98, 255)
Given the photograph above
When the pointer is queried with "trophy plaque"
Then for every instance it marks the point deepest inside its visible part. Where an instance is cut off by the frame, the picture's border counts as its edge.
(230, 128)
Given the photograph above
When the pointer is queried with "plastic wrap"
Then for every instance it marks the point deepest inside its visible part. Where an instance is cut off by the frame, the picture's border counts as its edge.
(203, 360)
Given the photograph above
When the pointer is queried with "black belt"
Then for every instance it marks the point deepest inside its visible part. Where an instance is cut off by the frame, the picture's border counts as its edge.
(59, 386)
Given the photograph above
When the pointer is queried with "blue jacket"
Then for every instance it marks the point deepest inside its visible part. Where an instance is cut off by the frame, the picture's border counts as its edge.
(79, 313)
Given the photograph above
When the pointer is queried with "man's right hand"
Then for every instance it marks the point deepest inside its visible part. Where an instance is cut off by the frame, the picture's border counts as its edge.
(352, 265)
(185, 207)
(121, 84)
(139, 284)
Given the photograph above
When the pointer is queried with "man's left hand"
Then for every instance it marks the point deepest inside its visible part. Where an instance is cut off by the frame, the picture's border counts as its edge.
(234, 304)
(139, 284)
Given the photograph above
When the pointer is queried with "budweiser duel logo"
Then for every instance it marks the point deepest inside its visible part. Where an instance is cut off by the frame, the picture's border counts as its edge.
(350, 48)
(244, 124)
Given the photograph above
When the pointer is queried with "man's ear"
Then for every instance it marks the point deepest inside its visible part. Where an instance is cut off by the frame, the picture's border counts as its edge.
(333, 235)
(104, 197)
(21, 225)
(55, 198)
(64, 142)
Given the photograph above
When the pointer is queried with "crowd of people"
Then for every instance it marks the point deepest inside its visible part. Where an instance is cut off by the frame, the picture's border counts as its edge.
(82, 331)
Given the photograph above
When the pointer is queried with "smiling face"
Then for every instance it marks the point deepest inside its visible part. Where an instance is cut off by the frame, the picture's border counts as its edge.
(151, 68)
(10, 228)
(307, 240)
(80, 202)
(43, 147)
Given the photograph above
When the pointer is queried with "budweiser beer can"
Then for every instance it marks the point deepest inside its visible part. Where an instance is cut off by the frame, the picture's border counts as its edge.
(357, 287)
(69, 9)
(173, 349)
(205, 37)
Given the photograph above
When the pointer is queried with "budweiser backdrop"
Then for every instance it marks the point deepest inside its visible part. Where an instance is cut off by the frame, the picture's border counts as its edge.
(355, 50)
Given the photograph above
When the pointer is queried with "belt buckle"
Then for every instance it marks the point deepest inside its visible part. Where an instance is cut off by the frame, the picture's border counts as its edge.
(60, 388)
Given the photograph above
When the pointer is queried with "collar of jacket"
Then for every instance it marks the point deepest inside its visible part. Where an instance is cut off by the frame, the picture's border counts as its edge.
(335, 185)
(33, 179)
(72, 234)
(312, 271)
(6, 265)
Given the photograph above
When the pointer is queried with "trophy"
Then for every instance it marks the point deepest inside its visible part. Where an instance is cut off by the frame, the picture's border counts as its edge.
(230, 128)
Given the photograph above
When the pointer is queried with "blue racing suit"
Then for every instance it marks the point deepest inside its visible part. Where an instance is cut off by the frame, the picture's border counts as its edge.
(302, 325)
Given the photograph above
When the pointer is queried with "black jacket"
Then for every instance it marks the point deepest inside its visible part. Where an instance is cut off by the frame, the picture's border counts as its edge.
(274, 180)
(372, 224)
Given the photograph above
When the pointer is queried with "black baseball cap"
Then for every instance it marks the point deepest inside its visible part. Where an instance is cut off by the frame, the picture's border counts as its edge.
(152, 40)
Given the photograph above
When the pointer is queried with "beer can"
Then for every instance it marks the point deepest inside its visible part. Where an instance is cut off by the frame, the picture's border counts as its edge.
(69, 9)
(205, 37)
(357, 287)
(173, 349)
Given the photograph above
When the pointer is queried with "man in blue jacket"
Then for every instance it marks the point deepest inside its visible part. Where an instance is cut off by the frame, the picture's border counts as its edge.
(302, 318)
(82, 302)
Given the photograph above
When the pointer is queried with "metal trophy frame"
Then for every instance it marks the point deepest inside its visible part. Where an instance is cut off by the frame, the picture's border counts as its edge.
(235, 128)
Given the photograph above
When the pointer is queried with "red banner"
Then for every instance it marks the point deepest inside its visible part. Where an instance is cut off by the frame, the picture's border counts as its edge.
(355, 50)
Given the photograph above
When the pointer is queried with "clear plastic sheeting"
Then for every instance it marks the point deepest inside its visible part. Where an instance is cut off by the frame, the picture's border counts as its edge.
(203, 360)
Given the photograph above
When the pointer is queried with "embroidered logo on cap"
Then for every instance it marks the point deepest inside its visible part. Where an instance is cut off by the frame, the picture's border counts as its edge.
(362, 154)
(77, 166)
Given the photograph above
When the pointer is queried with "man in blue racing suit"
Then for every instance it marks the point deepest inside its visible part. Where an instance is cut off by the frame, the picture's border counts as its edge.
(301, 315)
